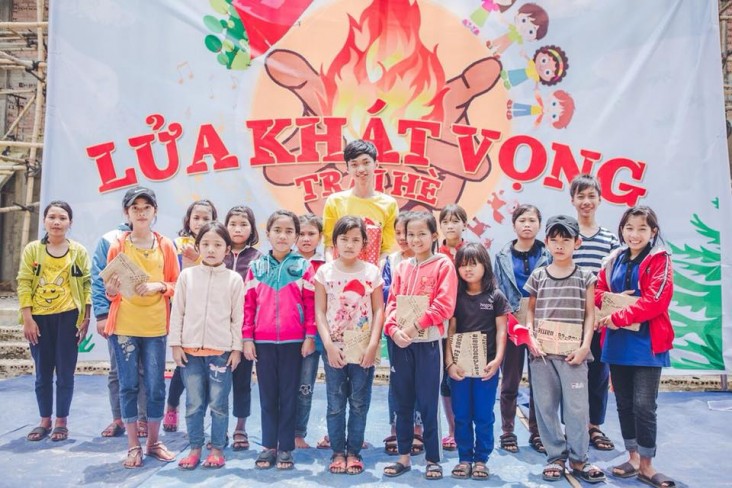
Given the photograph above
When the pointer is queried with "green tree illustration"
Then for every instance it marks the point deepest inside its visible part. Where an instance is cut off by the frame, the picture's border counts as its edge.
(696, 308)
(229, 40)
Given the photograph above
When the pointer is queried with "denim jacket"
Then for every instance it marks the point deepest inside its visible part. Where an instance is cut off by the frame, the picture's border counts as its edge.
(503, 269)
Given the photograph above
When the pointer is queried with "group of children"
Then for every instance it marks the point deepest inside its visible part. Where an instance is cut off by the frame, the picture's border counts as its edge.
(232, 306)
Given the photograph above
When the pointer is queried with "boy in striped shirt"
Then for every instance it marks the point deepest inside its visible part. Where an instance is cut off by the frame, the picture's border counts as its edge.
(597, 243)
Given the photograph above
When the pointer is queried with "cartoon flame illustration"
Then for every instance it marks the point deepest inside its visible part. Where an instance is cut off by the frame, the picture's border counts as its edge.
(385, 68)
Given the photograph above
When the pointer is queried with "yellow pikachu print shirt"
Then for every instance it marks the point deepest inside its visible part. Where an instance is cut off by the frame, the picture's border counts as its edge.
(53, 294)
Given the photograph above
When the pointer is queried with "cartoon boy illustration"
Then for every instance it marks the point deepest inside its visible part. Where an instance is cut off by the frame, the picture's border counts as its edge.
(530, 24)
(548, 67)
(558, 109)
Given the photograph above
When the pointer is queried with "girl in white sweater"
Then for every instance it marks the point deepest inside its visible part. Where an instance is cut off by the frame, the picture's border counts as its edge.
(205, 334)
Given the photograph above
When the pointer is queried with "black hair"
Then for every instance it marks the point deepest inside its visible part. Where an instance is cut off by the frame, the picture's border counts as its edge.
(427, 218)
(454, 210)
(560, 231)
(472, 253)
(358, 147)
(58, 204)
(522, 209)
(248, 214)
(583, 182)
(312, 219)
(217, 227)
(284, 213)
(402, 217)
(186, 230)
(347, 223)
(640, 211)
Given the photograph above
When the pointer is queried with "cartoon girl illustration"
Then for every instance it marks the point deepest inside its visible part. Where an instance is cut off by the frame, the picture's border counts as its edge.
(548, 67)
(530, 24)
(480, 15)
(558, 109)
(349, 314)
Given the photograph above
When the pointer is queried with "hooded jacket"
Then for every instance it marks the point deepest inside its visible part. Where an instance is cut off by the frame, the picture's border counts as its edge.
(434, 277)
(655, 280)
(279, 300)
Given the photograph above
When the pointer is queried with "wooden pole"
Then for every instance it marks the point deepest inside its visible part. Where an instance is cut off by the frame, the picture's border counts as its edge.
(27, 145)
(15, 208)
(19, 117)
(24, 25)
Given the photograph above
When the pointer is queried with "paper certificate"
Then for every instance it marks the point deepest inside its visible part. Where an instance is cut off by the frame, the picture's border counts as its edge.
(612, 302)
(355, 343)
(560, 338)
(411, 308)
(523, 309)
(129, 273)
(470, 352)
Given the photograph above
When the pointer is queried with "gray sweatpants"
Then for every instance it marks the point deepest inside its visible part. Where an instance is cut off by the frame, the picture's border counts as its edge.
(555, 383)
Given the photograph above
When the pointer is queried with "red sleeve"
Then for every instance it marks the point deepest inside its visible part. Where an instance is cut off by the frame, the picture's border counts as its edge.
(601, 286)
(250, 306)
(308, 302)
(390, 322)
(442, 305)
(656, 292)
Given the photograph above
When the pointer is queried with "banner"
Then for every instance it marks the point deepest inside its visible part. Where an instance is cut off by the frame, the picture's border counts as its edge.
(487, 103)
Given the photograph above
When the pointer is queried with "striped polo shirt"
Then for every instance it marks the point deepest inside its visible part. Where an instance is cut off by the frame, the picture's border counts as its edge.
(560, 299)
(594, 249)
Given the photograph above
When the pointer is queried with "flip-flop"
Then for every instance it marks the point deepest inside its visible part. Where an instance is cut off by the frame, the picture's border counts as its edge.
(552, 467)
(59, 433)
(337, 464)
(266, 459)
(113, 430)
(657, 480)
(170, 421)
(285, 457)
(214, 462)
(240, 445)
(448, 443)
(38, 434)
(585, 473)
(480, 471)
(398, 468)
(417, 449)
(323, 443)
(536, 444)
(390, 445)
(625, 470)
(462, 471)
(354, 461)
(433, 468)
(509, 442)
(190, 462)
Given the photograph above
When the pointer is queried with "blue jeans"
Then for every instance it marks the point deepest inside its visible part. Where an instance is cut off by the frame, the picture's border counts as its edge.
(150, 353)
(305, 394)
(351, 384)
(207, 380)
(473, 401)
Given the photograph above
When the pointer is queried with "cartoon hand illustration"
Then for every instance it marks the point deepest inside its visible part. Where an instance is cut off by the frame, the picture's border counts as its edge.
(293, 72)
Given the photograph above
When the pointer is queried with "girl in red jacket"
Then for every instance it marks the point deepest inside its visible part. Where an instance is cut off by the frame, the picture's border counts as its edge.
(642, 269)
(416, 362)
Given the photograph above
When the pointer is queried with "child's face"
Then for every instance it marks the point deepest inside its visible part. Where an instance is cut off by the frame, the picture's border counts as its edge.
(471, 273)
(527, 225)
(141, 213)
(200, 216)
(586, 202)
(57, 222)
(526, 27)
(349, 301)
(420, 238)
(562, 248)
(239, 229)
(546, 67)
(401, 236)
(350, 244)
(282, 235)
(452, 228)
(212, 248)
(361, 168)
(637, 233)
(309, 239)
(553, 109)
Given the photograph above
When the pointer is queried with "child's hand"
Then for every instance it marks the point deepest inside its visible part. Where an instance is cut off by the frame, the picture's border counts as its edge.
(179, 356)
(189, 252)
(578, 356)
(401, 339)
(147, 289)
(336, 359)
(111, 285)
(234, 360)
(491, 369)
(81, 332)
(31, 332)
(369, 356)
(308, 347)
(604, 322)
(101, 324)
(535, 348)
(456, 372)
(412, 331)
(250, 352)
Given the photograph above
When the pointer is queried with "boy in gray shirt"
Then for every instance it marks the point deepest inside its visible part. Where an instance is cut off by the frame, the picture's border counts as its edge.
(559, 292)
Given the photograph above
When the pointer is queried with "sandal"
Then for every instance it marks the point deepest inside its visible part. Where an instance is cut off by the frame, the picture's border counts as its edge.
(553, 472)
(170, 421)
(214, 462)
(323, 443)
(142, 428)
(625, 470)
(189, 462)
(509, 442)
(589, 473)
(480, 471)
(417, 445)
(242, 444)
(536, 444)
(600, 441)
(160, 452)
(390, 446)
(266, 459)
(59, 433)
(433, 472)
(397, 469)
(354, 464)
(462, 471)
(38, 434)
(226, 443)
(448, 443)
(113, 430)
(658, 480)
(134, 458)
(337, 464)
(285, 461)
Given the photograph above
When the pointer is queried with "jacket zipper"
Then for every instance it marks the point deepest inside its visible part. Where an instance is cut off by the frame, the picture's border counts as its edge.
(205, 310)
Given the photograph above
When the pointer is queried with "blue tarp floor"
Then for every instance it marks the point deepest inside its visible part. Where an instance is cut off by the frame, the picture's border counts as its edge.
(694, 447)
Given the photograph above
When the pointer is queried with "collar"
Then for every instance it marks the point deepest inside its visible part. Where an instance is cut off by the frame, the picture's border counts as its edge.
(625, 257)
(524, 254)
